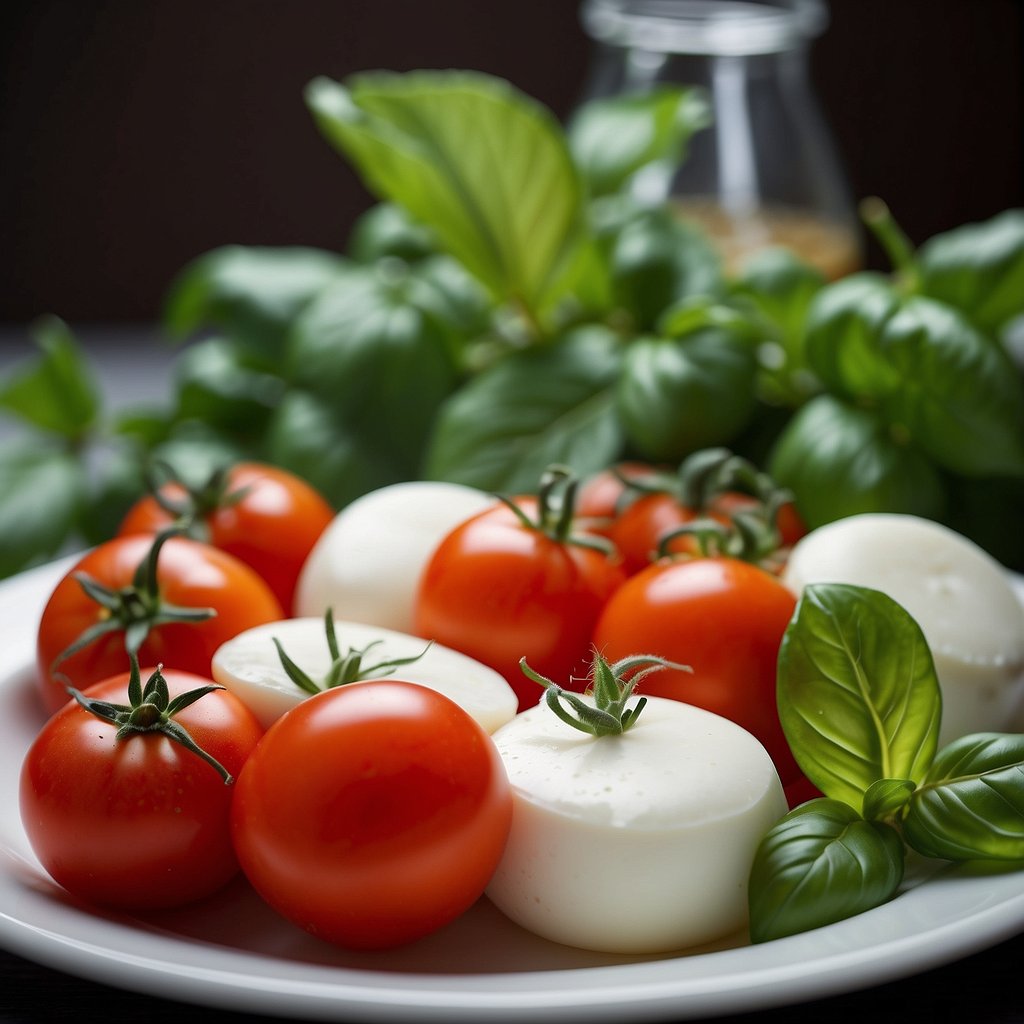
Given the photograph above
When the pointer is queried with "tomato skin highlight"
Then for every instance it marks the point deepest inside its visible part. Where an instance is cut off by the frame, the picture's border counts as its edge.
(723, 617)
(272, 528)
(499, 591)
(372, 815)
(140, 823)
(190, 573)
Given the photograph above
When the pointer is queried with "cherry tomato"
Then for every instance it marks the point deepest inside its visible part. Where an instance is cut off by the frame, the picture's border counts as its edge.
(372, 815)
(638, 531)
(499, 590)
(723, 617)
(602, 497)
(264, 516)
(142, 822)
(189, 574)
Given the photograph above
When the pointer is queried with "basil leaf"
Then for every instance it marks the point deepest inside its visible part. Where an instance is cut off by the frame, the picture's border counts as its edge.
(887, 796)
(41, 493)
(310, 436)
(677, 395)
(979, 269)
(216, 383)
(613, 138)
(971, 803)
(55, 391)
(844, 324)
(478, 163)
(656, 260)
(858, 696)
(387, 230)
(377, 358)
(955, 392)
(820, 864)
(839, 460)
(250, 293)
(531, 409)
(777, 288)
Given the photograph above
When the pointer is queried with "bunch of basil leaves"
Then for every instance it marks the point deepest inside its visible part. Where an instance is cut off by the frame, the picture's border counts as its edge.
(861, 708)
(509, 303)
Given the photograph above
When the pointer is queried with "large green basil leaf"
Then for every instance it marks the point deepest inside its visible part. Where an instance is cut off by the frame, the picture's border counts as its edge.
(480, 164)
(657, 260)
(956, 392)
(844, 323)
(41, 492)
(250, 293)
(215, 382)
(677, 395)
(343, 459)
(820, 864)
(777, 288)
(858, 696)
(613, 138)
(971, 803)
(377, 358)
(535, 407)
(839, 460)
(979, 269)
(55, 391)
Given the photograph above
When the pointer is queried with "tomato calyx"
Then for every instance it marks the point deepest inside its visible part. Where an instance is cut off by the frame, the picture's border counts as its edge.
(749, 536)
(345, 667)
(612, 685)
(556, 507)
(135, 609)
(190, 508)
(150, 709)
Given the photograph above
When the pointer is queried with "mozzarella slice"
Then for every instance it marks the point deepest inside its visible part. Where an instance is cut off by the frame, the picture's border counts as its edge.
(638, 843)
(367, 564)
(962, 598)
(249, 666)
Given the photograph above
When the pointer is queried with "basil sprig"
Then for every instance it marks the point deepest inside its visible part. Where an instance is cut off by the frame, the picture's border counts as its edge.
(860, 705)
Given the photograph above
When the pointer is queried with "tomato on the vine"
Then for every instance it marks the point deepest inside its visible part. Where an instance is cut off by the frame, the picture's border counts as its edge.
(373, 814)
(173, 600)
(515, 581)
(139, 821)
(265, 516)
(710, 484)
(724, 618)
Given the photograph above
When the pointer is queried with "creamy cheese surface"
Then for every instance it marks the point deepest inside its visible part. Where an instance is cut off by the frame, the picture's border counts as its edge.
(250, 667)
(962, 598)
(367, 564)
(637, 843)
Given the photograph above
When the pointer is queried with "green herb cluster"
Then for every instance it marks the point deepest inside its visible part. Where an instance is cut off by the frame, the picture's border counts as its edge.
(509, 303)
(861, 707)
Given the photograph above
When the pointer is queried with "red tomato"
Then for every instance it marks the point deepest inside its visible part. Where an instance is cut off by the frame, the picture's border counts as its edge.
(272, 527)
(638, 531)
(601, 498)
(723, 617)
(189, 574)
(141, 822)
(372, 815)
(500, 591)
(788, 522)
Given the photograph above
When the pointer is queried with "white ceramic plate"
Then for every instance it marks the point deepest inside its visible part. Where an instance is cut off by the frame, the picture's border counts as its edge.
(233, 952)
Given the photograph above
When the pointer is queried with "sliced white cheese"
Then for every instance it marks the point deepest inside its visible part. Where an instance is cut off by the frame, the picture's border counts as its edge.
(367, 564)
(962, 598)
(638, 843)
(249, 666)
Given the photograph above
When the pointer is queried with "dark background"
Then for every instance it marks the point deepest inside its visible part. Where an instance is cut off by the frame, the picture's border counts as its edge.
(136, 134)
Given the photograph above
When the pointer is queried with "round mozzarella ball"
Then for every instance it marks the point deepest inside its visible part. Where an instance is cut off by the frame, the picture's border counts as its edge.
(636, 843)
(962, 598)
(367, 564)
(250, 667)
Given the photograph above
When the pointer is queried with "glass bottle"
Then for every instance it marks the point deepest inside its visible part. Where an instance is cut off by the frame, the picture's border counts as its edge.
(766, 171)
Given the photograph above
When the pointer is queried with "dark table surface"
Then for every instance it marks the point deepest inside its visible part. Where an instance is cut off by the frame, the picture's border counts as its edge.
(986, 988)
